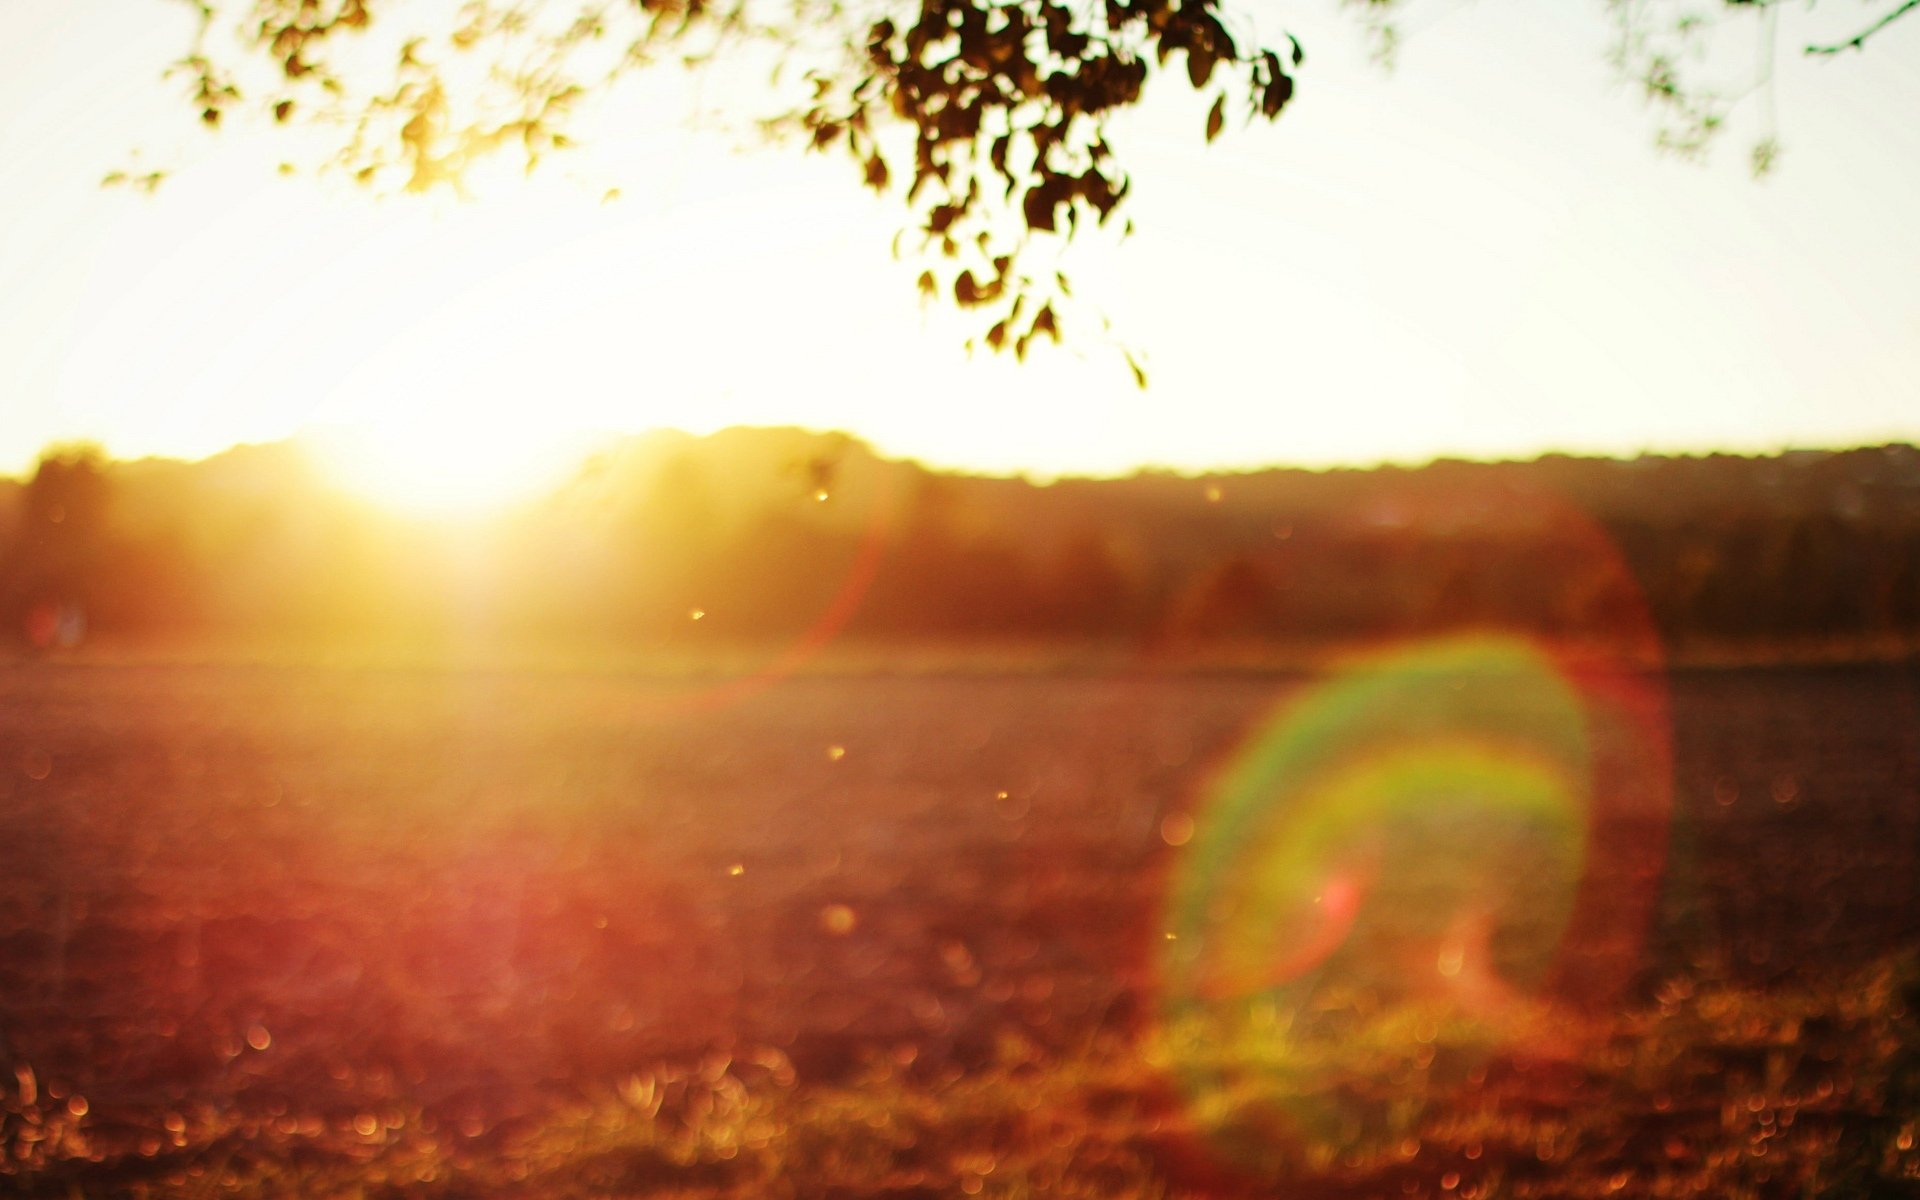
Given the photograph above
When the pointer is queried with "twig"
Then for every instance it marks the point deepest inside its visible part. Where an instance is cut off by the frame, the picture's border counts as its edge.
(1859, 40)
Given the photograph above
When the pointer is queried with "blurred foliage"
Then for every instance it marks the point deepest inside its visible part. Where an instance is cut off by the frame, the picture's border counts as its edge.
(1696, 61)
(987, 119)
(1677, 53)
(1723, 1091)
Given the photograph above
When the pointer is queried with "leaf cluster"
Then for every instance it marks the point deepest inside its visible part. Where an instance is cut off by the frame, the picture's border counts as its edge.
(987, 119)
(1007, 105)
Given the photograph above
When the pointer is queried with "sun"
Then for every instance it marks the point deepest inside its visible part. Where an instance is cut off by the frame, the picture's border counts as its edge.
(435, 468)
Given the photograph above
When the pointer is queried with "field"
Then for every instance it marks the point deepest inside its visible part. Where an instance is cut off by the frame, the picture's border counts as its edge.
(329, 931)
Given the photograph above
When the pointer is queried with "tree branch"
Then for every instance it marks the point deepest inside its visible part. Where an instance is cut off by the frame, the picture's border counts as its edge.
(1859, 40)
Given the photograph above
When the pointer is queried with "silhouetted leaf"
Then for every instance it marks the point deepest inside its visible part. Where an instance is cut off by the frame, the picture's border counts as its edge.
(1200, 61)
(1274, 97)
(1045, 322)
(1217, 117)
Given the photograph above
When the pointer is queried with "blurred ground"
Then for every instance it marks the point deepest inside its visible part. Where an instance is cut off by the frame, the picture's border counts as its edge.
(468, 932)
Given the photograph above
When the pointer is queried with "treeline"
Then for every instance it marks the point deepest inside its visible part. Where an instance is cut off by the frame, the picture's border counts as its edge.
(669, 541)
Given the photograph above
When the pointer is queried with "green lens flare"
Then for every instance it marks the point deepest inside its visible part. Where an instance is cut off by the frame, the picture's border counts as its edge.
(1378, 891)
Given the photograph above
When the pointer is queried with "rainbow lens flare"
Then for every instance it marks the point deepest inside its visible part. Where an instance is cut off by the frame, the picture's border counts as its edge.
(1408, 869)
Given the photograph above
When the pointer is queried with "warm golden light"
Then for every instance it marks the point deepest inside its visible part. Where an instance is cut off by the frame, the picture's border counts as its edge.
(428, 468)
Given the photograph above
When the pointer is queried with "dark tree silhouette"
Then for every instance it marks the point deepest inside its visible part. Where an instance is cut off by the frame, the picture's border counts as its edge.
(987, 119)
(56, 567)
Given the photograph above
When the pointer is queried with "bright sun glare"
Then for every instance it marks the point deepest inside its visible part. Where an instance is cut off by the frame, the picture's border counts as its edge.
(430, 470)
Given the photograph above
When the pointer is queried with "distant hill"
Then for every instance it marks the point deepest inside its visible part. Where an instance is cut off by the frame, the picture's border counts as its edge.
(672, 543)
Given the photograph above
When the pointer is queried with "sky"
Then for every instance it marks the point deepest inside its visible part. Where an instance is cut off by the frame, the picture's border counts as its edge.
(1478, 253)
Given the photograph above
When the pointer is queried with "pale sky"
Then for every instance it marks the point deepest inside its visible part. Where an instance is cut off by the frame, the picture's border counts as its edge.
(1478, 253)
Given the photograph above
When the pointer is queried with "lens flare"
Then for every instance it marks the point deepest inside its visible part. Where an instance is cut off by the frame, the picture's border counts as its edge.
(1410, 868)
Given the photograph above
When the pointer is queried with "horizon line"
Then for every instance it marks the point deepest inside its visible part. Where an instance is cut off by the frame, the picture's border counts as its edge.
(305, 441)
